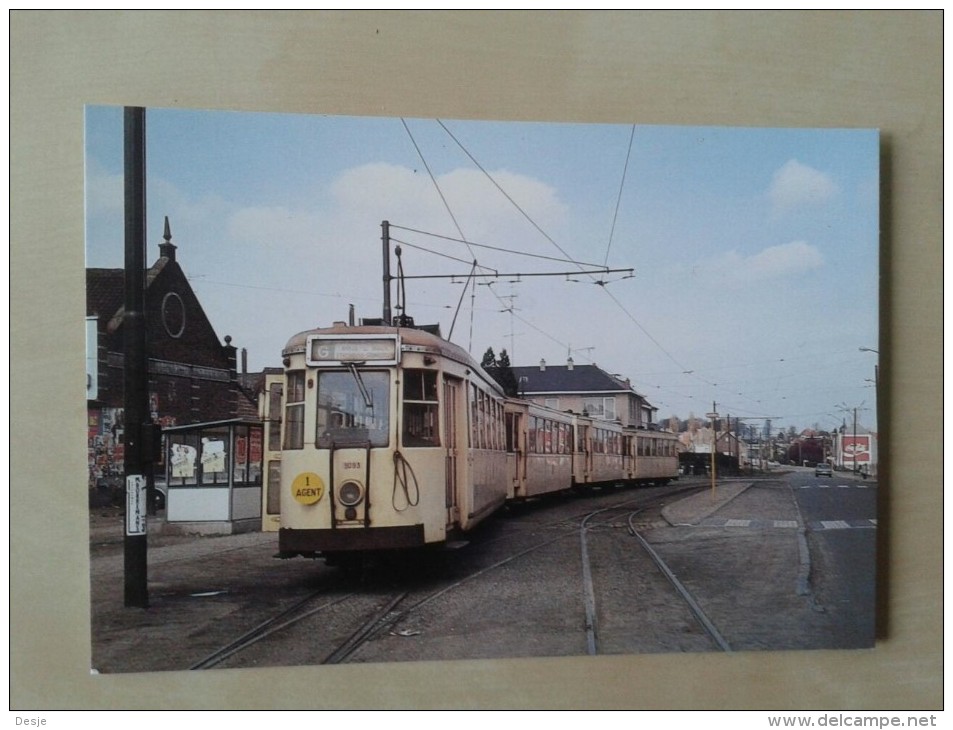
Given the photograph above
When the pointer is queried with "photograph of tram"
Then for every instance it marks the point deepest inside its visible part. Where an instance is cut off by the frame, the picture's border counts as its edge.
(426, 389)
(399, 405)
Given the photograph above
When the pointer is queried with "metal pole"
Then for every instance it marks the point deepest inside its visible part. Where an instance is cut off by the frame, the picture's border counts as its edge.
(854, 468)
(385, 244)
(135, 372)
(714, 443)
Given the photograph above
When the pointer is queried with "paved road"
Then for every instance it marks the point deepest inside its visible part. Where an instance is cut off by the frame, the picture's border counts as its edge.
(840, 514)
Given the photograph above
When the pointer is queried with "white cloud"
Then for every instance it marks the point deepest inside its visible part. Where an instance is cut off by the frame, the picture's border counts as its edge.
(378, 192)
(273, 227)
(774, 262)
(104, 191)
(795, 184)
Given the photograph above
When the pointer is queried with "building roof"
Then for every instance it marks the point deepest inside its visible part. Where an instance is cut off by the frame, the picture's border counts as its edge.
(566, 379)
(104, 292)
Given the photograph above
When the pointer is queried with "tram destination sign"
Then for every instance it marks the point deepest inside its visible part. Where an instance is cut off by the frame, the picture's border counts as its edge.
(344, 349)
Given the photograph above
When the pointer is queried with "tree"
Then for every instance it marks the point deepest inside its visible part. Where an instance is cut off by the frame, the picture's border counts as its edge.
(501, 371)
(505, 375)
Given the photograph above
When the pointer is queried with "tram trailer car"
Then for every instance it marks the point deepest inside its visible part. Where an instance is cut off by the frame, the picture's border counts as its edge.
(393, 438)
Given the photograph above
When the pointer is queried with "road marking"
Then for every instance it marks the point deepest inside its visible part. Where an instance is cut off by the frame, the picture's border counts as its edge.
(820, 485)
(760, 524)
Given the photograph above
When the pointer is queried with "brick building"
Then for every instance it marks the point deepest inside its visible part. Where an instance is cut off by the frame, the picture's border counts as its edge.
(192, 376)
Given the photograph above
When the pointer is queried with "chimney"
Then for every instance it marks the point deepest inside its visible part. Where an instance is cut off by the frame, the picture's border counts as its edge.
(542, 365)
(167, 249)
(244, 360)
(569, 364)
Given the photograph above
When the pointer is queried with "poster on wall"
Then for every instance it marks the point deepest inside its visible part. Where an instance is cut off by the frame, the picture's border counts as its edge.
(182, 461)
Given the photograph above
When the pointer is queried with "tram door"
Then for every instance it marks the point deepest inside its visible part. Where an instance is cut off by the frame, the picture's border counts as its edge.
(451, 397)
(515, 455)
(628, 460)
(584, 448)
(270, 409)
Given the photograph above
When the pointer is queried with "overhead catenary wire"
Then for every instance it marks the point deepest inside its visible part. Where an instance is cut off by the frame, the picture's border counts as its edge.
(456, 224)
(683, 369)
(618, 201)
(498, 248)
(505, 194)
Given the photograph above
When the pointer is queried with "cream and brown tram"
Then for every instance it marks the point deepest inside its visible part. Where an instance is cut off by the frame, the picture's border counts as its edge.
(393, 438)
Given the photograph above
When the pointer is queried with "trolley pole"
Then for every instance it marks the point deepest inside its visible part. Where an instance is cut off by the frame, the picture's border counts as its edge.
(135, 366)
(385, 241)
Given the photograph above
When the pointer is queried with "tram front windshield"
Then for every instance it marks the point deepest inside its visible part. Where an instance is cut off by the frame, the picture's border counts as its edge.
(353, 408)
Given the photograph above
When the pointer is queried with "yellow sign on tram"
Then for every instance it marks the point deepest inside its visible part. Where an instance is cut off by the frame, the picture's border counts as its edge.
(307, 488)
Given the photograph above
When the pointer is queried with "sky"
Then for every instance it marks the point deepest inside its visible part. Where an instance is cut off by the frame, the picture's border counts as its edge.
(743, 262)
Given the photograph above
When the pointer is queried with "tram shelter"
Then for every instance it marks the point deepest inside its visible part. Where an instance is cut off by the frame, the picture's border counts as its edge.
(213, 477)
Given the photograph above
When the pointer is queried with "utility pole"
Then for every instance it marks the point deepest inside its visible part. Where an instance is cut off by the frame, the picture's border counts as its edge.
(135, 362)
(511, 309)
(854, 462)
(714, 443)
(385, 242)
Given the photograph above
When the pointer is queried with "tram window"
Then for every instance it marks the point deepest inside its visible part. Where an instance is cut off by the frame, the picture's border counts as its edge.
(421, 426)
(511, 435)
(274, 487)
(274, 417)
(474, 417)
(420, 385)
(353, 408)
(294, 411)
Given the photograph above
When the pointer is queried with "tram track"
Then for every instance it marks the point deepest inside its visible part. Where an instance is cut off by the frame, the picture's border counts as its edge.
(590, 598)
(400, 606)
(679, 587)
(279, 622)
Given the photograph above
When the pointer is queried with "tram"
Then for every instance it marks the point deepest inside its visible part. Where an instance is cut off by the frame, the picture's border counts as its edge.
(392, 438)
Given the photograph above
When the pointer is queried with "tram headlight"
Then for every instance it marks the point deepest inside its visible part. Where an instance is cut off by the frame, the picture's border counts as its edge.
(350, 494)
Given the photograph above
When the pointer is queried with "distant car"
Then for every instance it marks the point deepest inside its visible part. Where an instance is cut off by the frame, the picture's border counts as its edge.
(823, 470)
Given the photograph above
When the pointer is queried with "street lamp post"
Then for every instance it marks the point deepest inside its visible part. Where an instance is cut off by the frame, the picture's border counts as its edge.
(876, 394)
